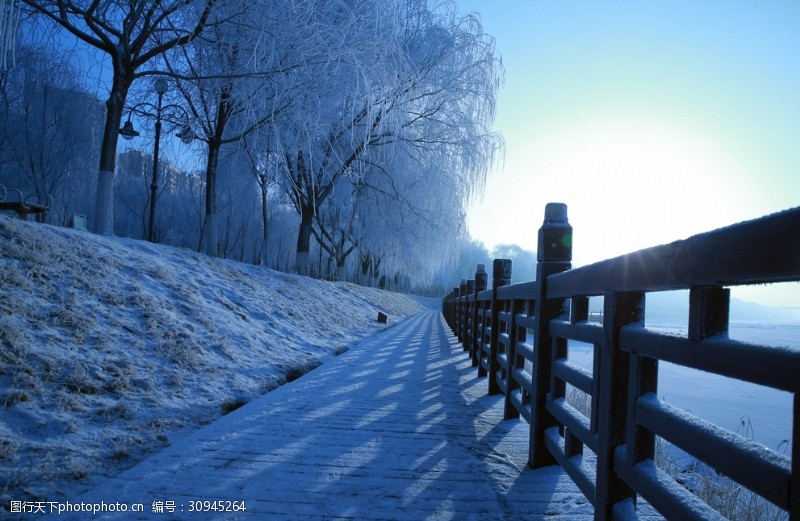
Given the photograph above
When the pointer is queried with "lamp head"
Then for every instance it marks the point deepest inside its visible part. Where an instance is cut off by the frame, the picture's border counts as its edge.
(161, 85)
(186, 135)
(127, 131)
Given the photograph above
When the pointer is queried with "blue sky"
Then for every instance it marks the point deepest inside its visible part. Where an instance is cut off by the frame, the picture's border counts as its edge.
(653, 120)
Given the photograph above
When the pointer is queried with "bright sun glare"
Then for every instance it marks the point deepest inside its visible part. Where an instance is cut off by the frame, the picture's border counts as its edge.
(629, 184)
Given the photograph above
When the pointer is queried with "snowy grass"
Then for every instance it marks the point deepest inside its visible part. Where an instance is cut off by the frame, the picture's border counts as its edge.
(723, 494)
(111, 349)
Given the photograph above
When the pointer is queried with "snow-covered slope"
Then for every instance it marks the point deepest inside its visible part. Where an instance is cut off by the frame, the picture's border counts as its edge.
(110, 348)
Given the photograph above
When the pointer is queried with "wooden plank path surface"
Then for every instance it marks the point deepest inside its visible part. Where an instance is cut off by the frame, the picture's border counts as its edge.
(398, 427)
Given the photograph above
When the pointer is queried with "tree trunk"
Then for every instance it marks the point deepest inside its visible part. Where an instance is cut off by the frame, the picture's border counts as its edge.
(210, 232)
(364, 274)
(104, 200)
(264, 216)
(304, 239)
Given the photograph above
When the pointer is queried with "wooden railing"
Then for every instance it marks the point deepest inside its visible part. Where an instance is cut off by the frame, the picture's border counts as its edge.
(625, 414)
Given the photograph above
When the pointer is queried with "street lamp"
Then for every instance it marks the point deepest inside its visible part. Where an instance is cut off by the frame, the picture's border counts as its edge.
(128, 132)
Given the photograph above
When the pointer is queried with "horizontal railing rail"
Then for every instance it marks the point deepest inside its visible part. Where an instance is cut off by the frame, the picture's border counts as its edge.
(519, 335)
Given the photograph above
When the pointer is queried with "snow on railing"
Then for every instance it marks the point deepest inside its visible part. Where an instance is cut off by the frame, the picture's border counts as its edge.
(518, 336)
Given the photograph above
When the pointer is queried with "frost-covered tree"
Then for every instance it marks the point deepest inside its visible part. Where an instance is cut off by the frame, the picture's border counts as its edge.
(262, 164)
(130, 34)
(415, 219)
(181, 209)
(132, 199)
(523, 261)
(395, 218)
(238, 77)
(415, 81)
(321, 135)
(338, 223)
(132, 193)
(467, 255)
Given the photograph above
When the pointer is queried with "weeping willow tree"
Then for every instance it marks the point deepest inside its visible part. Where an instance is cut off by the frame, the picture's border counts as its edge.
(238, 79)
(418, 82)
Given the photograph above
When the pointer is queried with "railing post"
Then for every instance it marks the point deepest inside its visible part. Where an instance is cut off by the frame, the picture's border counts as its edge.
(466, 330)
(501, 276)
(619, 309)
(454, 310)
(450, 302)
(444, 308)
(477, 310)
(462, 303)
(453, 300)
(578, 312)
(554, 255)
(516, 334)
(708, 311)
(450, 299)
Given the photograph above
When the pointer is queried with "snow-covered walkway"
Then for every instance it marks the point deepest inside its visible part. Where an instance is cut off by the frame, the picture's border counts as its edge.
(399, 427)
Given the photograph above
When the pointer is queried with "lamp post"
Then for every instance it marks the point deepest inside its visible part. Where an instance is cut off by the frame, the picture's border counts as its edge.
(127, 131)
(161, 87)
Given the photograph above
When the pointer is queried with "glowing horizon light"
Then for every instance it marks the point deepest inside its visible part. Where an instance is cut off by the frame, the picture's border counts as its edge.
(629, 183)
(635, 174)
(651, 181)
